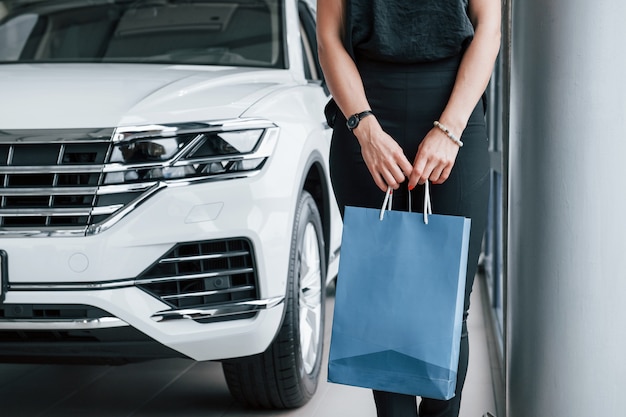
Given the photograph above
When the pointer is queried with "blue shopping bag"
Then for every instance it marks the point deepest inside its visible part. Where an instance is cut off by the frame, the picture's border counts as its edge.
(399, 301)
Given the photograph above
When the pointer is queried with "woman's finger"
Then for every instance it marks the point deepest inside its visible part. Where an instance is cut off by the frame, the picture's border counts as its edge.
(436, 175)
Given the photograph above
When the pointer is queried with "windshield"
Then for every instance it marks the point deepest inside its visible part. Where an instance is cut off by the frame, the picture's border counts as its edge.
(213, 32)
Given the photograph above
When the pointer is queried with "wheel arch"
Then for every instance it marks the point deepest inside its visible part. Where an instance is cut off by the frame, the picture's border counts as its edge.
(315, 182)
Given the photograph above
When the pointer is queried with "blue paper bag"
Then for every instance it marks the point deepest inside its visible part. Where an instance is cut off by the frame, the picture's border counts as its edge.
(399, 302)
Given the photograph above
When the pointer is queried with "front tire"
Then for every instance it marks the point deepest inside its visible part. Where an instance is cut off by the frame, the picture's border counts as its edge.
(286, 374)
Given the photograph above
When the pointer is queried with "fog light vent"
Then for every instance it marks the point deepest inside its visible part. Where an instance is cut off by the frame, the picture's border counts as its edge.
(203, 275)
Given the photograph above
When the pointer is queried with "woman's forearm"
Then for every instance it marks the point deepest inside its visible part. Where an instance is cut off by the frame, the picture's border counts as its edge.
(340, 72)
(476, 66)
(383, 156)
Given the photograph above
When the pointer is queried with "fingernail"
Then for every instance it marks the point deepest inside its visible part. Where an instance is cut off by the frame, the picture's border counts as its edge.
(411, 187)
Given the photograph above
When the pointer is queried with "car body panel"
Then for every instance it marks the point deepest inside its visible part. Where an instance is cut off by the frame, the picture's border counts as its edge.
(99, 95)
(102, 269)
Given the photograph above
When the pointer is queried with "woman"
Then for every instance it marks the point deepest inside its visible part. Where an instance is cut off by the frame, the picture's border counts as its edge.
(408, 77)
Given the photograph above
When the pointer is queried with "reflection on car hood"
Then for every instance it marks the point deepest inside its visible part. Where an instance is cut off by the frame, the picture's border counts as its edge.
(49, 96)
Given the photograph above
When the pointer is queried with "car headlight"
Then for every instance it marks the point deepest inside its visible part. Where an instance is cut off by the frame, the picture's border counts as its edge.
(188, 151)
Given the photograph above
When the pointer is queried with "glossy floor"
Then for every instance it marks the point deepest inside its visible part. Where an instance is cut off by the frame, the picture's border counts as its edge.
(182, 388)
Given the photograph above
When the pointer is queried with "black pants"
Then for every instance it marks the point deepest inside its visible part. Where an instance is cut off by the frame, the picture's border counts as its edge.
(406, 99)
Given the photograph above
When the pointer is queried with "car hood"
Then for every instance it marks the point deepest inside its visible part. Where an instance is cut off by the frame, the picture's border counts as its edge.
(61, 96)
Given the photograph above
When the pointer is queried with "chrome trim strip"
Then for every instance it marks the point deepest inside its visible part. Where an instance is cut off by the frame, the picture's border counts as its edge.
(123, 133)
(57, 212)
(65, 136)
(126, 188)
(98, 211)
(218, 311)
(43, 232)
(16, 192)
(45, 212)
(117, 167)
(203, 293)
(120, 214)
(57, 324)
(88, 286)
(99, 190)
(52, 169)
(194, 276)
(205, 257)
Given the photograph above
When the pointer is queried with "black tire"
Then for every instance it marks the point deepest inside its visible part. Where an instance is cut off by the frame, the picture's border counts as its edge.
(286, 374)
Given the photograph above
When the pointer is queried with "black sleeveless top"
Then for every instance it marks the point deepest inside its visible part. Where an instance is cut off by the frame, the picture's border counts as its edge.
(407, 31)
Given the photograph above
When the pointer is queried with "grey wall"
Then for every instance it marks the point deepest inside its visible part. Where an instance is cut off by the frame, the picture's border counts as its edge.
(566, 333)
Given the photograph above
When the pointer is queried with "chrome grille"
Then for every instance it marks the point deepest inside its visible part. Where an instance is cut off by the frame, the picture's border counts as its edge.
(203, 275)
(51, 181)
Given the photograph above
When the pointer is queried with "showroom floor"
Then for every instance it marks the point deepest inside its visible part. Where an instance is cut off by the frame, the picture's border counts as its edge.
(182, 388)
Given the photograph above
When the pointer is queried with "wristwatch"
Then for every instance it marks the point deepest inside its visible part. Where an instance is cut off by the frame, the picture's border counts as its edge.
(353, 121)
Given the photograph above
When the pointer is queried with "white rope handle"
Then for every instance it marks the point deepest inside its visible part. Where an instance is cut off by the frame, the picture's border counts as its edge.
(387, 202)
(428, 209)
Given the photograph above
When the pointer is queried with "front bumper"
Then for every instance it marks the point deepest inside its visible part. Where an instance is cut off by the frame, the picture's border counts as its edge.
(115, 271)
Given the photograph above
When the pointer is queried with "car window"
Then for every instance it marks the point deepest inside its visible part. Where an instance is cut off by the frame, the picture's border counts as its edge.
(312, 67)
(239, 33)
(307, 55)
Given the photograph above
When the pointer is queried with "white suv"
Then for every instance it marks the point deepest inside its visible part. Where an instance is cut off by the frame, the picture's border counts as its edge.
(164, 188)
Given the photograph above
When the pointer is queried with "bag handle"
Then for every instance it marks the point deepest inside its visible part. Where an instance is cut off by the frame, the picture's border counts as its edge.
(389, 197)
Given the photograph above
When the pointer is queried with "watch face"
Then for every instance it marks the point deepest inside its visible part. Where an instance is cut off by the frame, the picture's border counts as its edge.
(353, 122)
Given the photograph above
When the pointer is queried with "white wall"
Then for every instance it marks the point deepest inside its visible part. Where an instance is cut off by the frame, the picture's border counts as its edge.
(566, 333)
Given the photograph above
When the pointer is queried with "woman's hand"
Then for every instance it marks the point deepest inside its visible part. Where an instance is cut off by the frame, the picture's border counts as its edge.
(383, 156)
(434, 160)
(437, 153)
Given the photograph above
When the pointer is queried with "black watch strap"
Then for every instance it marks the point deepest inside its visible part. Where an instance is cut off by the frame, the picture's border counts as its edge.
(353, 121)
